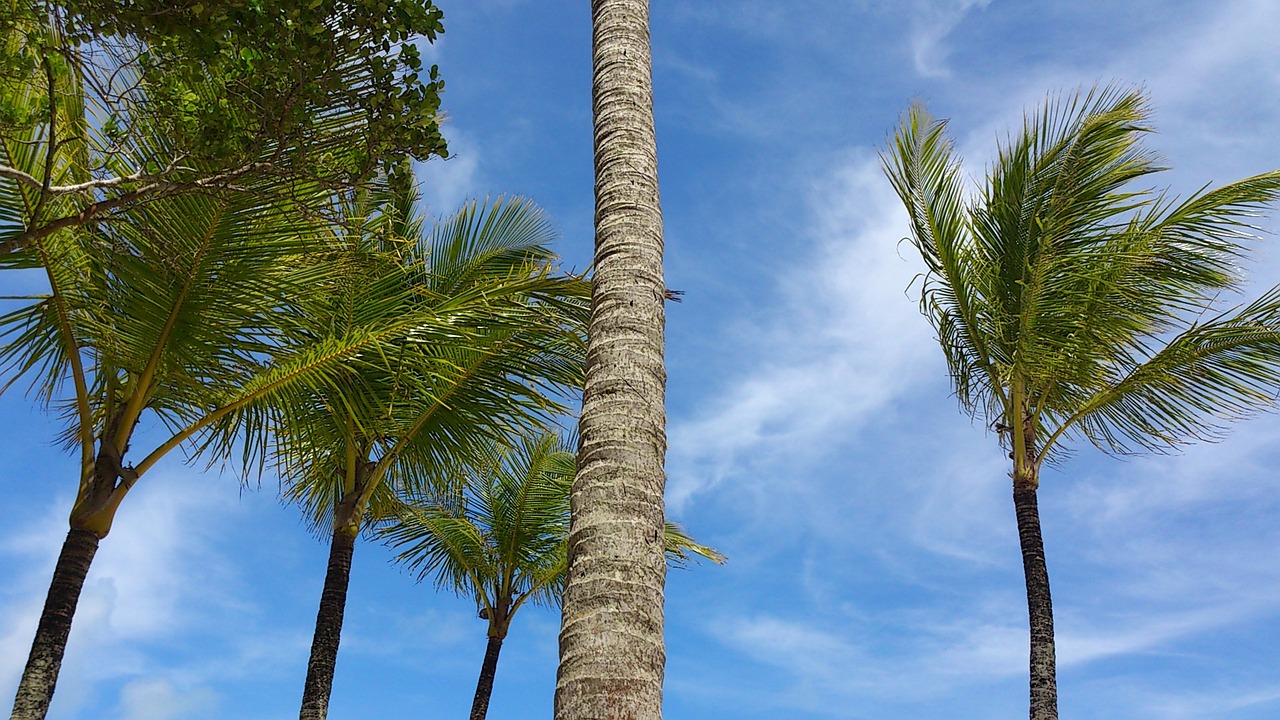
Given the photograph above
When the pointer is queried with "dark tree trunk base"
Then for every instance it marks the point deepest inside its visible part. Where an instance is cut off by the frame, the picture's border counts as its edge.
(324, 644)
(1044, 681)
(35, 691)
(484, 688)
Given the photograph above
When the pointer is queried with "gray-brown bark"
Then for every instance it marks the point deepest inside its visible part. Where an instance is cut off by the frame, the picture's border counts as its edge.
(324, 644)
(611, 645)
(35, 690)
(1044, 683)
(484, 686)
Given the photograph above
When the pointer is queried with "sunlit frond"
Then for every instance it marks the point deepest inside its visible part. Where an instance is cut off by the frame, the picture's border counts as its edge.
(1063, 281)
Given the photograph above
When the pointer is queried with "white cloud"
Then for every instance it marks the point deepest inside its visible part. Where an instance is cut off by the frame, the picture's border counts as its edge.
(845, 340)
(159, 699)
(446, 184)
(153, 577)
(1177, 704)
(932, 21)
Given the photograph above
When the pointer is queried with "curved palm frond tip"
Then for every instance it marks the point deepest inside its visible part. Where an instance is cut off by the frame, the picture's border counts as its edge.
(1071, 305)
(500, 536)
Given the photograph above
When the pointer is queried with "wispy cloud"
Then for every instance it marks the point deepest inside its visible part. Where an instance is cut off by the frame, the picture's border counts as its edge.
(153, 577)
(159, 699)
(446, 184)
(932, 21)
(844, 340)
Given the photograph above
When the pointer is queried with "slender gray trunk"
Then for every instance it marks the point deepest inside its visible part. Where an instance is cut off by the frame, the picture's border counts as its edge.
(1044, 682)
(611, 644)
(35, 690)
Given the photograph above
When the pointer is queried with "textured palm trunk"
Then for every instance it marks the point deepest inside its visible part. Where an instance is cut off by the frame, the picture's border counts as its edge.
(611, 645)
(1044, 682)
(35, 690)
(484, 687)
(324, 644)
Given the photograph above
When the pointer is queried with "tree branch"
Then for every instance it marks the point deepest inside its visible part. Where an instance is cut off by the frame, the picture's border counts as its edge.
(91, 185)
(89, 212)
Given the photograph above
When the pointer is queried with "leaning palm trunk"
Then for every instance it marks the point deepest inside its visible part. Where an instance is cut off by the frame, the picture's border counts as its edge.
(1044, 684)
(611, 645)
(35, 690)
(102, 488)
(333, 604)
(484, 686)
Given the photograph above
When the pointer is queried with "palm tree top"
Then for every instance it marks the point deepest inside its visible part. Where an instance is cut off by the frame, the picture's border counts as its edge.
(501, 536)
(496, 347)
(1064, 285)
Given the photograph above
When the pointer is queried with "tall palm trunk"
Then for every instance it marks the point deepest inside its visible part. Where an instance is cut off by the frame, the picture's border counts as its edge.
(1044, 682)
(484, 687)
(333, 604)
(35, 690)
(611, 645)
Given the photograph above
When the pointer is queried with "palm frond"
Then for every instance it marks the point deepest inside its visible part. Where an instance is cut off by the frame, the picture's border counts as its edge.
(1061, 280)
(681, 549)
(1206, 376)
(926, 175)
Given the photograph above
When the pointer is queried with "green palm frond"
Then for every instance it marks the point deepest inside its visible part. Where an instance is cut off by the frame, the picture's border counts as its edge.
(517, 502)
(486, 240)
(1204, 377)
(927, 176)
(1058, 284)
(682, 549)
(451, 549)
(514, 504)
(485, 341)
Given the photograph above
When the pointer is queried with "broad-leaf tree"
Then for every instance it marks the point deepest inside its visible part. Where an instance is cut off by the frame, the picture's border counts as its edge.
(250, 95)
(403, 421)
(612, 654)
(1072, 302)
(500, 536)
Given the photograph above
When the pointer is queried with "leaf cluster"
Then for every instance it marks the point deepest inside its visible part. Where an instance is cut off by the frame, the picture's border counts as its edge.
(226, 76)
(494, 342)
(499, 533)
(1069, 299)
(251, 96)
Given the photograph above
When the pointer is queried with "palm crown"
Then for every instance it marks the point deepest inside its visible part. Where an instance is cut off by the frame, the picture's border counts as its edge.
(500, 535)
(1067, 301)
(498, 339)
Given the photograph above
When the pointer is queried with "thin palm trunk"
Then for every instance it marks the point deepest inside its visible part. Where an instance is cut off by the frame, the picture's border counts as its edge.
(35, 690)
(484, 687)
(324, 644)
(1044, 683)
(611, 645)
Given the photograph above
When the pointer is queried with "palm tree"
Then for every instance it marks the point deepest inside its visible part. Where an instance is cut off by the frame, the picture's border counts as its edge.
(172, 314)
(611, 645)
(167, 311)
(400, 423)
(1071, 305)
(501, 537)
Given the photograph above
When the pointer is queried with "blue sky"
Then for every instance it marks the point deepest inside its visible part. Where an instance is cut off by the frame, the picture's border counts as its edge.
(874, 568)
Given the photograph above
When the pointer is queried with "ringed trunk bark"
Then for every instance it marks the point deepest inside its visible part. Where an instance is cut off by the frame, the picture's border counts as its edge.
(484, 688)
(611, 644)
(1044, 682)
(324, 644)
(35, 690)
